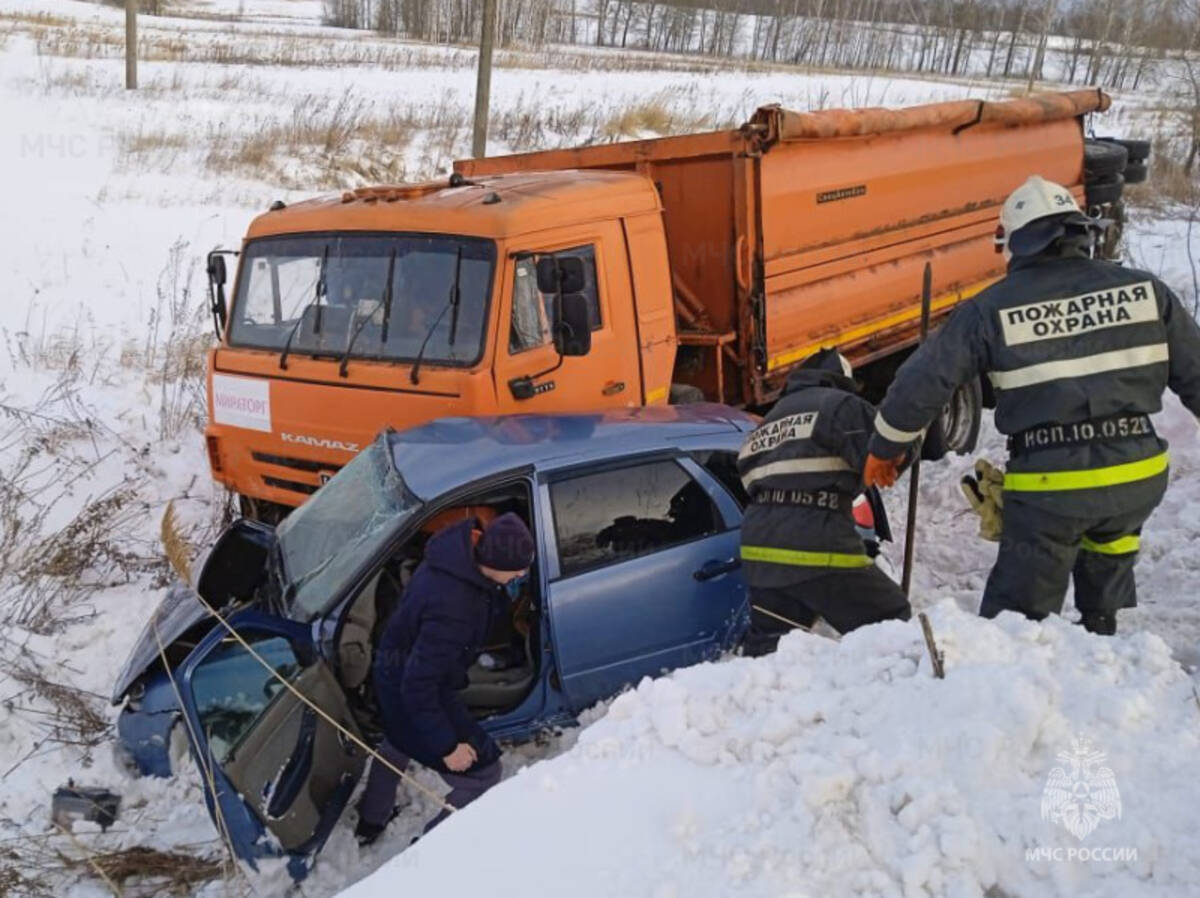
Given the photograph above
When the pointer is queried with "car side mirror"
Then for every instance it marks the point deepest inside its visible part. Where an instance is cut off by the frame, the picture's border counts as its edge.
(237, 564)
(557, 274)
(573, 330)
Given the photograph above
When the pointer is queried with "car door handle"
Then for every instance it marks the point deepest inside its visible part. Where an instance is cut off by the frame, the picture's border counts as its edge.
(285, 789)
(712, 569)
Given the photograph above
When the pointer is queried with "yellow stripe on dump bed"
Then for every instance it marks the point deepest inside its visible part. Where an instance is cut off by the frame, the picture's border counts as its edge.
(849, 336)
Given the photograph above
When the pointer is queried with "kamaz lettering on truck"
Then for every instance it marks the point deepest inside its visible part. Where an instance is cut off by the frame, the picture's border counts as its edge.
(704, 266)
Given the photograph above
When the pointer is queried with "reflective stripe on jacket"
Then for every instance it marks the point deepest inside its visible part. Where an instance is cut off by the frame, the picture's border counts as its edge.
(813, 441)
(1063, 339)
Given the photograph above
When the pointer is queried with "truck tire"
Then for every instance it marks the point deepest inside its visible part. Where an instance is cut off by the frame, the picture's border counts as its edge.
(956, 429)
(1136, 172)
(685, 394)
(1103, 159)
(1137, 150)
(1104, 192)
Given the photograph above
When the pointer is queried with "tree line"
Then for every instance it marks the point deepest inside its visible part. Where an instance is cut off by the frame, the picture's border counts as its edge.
(1117, 43)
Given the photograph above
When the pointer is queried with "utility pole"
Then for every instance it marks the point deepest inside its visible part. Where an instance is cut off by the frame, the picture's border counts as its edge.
(483, 80)
(131, 12)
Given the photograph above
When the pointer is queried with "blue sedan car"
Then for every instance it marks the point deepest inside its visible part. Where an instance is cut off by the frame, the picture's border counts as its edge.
(636, 515)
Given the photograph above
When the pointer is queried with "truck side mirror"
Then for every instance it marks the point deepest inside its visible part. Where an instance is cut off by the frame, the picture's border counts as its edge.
(217, 277)
(573, 330)
(216, 269)
(557, 274)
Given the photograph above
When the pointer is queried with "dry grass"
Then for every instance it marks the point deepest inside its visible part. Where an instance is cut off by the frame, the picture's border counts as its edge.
(168, 872)
(658, 115)
(30, 867)
(57, 714)
(35, 19)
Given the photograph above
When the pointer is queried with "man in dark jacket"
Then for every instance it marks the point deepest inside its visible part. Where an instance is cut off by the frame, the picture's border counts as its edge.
(801, 468)
(421, 663)
(1078, 351)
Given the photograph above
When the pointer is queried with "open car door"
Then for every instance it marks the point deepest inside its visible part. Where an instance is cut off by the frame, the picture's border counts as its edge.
(269, 761)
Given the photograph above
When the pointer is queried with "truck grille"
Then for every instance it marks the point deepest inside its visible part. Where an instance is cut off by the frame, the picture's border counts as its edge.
(300, 464)
(280, 484)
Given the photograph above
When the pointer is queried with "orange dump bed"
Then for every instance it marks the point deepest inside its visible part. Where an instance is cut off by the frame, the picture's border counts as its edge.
(801, 230)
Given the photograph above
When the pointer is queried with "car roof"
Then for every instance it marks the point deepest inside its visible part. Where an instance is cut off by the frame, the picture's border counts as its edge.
(450, 452)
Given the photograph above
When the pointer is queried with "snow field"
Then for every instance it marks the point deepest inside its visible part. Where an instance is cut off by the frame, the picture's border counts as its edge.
(845, 768)
(831, 769)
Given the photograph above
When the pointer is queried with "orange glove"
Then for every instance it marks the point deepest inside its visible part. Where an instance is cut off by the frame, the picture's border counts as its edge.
(882, 471)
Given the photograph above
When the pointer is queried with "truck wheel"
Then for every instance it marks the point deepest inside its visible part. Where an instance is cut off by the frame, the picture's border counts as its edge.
(1137, 150)
(1102, 159)
(685, 394)
(956, 429)
(1104, 192)
(1136, 172)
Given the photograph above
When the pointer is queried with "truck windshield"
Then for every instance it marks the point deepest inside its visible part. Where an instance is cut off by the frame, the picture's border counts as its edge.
(328, 292)
(345, 524)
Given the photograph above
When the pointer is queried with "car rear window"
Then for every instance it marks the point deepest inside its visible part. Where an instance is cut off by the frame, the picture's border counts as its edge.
(615, 515)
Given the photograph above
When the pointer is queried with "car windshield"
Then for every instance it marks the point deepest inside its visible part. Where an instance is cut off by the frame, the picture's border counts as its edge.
(324, 293)
(346, 522)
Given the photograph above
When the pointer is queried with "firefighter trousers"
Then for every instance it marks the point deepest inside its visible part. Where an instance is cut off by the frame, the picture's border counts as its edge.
(1041, 552)
(846, 599)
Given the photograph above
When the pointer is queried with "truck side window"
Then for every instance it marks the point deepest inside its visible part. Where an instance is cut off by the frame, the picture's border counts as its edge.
(723, 466)
(533, 311)
(613, 516)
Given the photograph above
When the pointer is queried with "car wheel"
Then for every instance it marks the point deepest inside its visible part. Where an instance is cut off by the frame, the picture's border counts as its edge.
(956, 429)
(1103, 159)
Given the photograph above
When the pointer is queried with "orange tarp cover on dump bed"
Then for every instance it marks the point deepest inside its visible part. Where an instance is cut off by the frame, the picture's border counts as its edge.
(780, 124)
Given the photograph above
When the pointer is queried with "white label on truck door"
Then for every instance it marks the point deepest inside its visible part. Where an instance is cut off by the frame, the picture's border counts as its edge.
(241, 402)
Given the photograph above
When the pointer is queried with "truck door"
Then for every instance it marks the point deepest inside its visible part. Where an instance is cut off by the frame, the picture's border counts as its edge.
(265, 755)
(608, 375)
(645, 575)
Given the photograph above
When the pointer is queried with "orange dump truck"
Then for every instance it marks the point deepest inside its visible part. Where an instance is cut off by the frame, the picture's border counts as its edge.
(700, 266)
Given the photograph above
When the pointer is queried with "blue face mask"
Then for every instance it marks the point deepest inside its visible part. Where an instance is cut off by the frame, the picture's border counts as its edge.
(514, 587)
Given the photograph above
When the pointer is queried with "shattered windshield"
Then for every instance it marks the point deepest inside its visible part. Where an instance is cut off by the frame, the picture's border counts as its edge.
(319, 295)
(346, 522)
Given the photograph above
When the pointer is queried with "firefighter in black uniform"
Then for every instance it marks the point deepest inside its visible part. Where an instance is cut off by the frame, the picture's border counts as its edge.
(1078, 351)
(802, 469)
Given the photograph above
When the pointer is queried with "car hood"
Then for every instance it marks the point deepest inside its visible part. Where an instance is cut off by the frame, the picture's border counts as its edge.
(179, 610)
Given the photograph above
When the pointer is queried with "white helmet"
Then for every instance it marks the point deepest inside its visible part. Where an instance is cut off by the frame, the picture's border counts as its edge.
(1037, 200)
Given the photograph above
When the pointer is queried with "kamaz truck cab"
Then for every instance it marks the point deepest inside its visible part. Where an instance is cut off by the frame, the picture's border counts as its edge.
(381, 306)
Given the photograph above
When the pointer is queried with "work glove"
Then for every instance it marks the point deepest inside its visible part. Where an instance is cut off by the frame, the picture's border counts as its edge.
(985, 494)
(882, 471)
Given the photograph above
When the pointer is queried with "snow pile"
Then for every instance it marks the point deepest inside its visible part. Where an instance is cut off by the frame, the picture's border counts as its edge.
(847, 769)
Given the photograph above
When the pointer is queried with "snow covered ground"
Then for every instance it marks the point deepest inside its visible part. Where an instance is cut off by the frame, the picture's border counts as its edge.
(784, 777)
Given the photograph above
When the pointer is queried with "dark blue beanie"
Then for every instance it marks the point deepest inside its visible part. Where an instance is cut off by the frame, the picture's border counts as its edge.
(506, 545)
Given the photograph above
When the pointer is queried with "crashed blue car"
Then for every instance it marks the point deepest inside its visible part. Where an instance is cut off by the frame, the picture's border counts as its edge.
(636, 516)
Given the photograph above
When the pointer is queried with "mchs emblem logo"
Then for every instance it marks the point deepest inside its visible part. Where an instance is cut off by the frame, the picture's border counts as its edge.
(1082, 791)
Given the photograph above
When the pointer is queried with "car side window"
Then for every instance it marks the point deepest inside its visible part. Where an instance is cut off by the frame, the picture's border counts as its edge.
(231, 688)
(533, 311)
(616, 515)
(722, 465)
